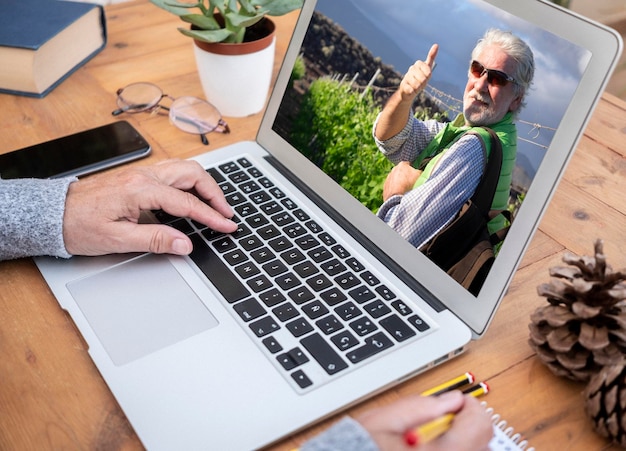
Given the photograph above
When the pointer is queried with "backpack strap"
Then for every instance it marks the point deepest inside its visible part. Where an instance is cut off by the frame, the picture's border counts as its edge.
(483, 196)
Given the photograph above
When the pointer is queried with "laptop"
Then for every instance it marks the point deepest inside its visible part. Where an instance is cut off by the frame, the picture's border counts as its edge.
(315, 304)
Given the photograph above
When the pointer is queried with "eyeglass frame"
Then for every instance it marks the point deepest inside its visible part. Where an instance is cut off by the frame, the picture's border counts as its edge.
(491, 74)
(151, 108)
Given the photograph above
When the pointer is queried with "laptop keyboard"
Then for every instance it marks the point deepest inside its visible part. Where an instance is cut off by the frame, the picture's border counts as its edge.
(315, 309)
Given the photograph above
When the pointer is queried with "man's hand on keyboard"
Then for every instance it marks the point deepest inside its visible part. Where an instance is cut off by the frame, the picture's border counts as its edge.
(102, 211)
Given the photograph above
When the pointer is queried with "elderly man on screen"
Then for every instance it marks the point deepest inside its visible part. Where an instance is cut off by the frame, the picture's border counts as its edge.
(418, 203)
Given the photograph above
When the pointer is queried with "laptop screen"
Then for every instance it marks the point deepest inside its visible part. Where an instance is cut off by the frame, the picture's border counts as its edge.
(352, 57)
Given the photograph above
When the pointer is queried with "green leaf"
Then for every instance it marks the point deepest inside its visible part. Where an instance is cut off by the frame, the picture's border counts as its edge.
(220, 35)
(202, 22)
(239, 20)
(277, 7)
(174, 7)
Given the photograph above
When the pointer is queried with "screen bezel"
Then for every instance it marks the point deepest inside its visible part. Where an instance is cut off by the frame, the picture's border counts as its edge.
(604, 45)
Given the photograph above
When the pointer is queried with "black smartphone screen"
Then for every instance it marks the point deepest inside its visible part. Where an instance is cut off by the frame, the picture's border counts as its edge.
(77, 154)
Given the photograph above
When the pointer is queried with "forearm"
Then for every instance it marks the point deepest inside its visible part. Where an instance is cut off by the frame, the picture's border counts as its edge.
(393, 117)
(31, 217)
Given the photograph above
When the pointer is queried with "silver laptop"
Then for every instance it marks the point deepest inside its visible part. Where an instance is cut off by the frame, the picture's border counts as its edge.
(315, 304)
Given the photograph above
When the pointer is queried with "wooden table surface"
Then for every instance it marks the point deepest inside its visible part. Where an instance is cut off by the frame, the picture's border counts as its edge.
(51, 394)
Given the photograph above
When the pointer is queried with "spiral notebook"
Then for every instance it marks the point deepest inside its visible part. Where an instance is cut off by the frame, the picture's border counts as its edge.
(504, 436)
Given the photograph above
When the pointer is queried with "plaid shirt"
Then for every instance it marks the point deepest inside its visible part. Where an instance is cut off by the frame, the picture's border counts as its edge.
(422, 212)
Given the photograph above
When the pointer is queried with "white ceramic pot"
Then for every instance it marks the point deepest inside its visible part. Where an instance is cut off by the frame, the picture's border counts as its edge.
(236, 77)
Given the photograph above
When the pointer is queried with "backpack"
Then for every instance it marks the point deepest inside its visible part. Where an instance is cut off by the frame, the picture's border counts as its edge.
(464, 248)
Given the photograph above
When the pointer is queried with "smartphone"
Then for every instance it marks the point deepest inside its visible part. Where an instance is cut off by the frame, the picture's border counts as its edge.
(77, 154)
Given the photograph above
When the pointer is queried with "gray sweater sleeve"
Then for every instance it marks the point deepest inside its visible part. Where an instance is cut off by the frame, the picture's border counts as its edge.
(31, 217)
(345, 435)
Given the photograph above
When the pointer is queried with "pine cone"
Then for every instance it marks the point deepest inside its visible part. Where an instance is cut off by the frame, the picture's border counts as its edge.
(605, 402)
(584, 327)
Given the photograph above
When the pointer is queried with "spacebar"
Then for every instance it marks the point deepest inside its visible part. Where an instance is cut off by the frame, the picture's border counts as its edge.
(216, 271)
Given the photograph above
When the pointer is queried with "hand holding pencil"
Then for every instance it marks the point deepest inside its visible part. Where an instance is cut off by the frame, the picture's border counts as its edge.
(471, 429)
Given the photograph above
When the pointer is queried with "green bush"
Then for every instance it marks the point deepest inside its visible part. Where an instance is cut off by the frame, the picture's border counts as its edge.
(334, 130)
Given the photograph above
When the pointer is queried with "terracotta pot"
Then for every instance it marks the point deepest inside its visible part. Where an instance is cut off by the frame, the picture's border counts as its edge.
(236, 77)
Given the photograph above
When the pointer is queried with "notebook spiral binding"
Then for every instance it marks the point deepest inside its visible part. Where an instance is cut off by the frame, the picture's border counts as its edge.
(504, 437)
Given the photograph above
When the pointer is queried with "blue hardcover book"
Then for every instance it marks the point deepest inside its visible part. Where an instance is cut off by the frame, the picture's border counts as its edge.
(42, 42)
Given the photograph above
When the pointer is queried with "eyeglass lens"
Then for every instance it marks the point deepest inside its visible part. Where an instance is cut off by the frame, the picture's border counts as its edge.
(190, 114)
(138, 97)
(494, 77)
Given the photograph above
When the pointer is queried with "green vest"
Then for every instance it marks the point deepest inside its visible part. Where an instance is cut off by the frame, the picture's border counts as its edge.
(506, 131)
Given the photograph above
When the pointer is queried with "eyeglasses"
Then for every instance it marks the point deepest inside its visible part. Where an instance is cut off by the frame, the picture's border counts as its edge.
(189, 114)
(494, 77)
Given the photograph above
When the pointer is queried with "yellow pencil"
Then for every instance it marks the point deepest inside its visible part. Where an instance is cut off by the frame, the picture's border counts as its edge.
(433, 429)
(464, 379)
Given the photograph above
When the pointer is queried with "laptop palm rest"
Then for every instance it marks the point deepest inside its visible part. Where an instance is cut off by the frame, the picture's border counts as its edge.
(139, 307)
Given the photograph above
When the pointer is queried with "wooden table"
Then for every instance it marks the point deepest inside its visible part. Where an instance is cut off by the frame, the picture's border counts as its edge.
(51, 394)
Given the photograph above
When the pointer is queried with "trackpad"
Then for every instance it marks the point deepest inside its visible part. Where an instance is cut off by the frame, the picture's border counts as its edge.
(139, 307)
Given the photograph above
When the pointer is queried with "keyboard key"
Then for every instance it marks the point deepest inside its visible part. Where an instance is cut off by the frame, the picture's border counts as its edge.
(397, 328)
(363, 326)
(347, 281)
(348, 311)
(342, 253)
(228, 168)
(329, 324)
(262, 255)
(247, 270)
(377, 308)
(344, 340)
(355, 264)
(301, 295)
(301, 379)
(216, 271)
(259, 283)
(401, 307)
(274, 268)
(373, 345)
(272, 297)
(419, 323)
(370, 279)
(251, 242)
(333, 267)
(385, 293)
(280, 244)
(239, 177)
(305, 269)
(320, 254)
(306, 242)
(327, 239)
(287, 281)
(319, 282)
(323, 353)
(272, 345)
(362, 294)
(235, 257)
(224, 244)
(260, 197)
(244, 162)
(249, 309)
(333, 296)
(217, 176)
(314, 309)
(264, 326)
(299, 327)
(285, 312)
(290, 360)
(292, 256)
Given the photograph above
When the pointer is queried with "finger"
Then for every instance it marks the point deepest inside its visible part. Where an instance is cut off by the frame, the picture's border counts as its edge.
(471, 429)
(188, 175)
(155, 238)
(186, 205)
(432, 55)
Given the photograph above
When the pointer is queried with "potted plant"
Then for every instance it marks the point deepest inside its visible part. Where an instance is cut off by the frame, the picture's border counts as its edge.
(234, 46)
